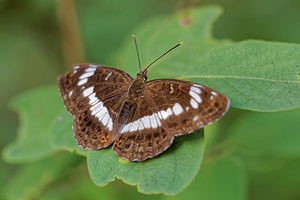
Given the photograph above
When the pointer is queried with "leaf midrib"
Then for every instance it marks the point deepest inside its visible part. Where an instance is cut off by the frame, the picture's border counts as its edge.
(236, 77)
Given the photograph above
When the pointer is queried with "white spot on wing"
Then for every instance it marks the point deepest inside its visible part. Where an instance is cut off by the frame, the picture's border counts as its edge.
(195, 96)
(88, 91)
(196, 118)
(106, 78)
(101, 113)
(153, 121)
(70, 93)
(90, 69)
(86, 75)
(81, 82)
(159, 115)
(76, 67)
(99, 110)
(105, 119)
(214, 93)
(135, 126)
(96, 108)
(110, 124)
(124, 128)
(93, 99)
(193, 103)
(177, 109)
(146, 121)
(169, 111)
(157, 119)
(200, 86)
(141, 125)
(128, 127)
(91, 65)
(171, 87)
(164, 114)
(195, 89)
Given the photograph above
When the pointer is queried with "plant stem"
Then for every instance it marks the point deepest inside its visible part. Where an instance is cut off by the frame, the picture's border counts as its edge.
(70, 34)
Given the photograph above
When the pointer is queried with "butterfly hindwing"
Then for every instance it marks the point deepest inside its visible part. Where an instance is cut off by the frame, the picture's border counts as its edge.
(96, 127)
(142, 135)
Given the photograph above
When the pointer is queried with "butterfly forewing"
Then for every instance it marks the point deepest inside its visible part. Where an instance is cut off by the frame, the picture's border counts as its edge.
(185, 106)
(75, 86)
(94, 95)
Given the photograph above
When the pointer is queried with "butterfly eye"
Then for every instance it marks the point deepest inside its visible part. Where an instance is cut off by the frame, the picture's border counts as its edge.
(145, 77)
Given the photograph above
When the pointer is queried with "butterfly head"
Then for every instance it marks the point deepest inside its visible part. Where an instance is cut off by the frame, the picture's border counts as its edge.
(142, 75)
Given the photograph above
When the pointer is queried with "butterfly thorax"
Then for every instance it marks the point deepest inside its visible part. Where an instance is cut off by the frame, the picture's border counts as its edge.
(134, 92)
(136, 86)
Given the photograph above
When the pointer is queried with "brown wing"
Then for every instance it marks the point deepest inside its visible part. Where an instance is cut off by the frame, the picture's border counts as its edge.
(93, 94)
(142, 136)
(106, 81)
(186, 106)
(167, 108)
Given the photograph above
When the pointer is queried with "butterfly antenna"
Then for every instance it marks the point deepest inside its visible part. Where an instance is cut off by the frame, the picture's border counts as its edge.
(163, 55)
(137, 52)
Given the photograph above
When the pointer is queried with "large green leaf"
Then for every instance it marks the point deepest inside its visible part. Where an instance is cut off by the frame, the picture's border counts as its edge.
(262, 76)
(169, 173)
(225, 175)
(37, 109)
(193, 27)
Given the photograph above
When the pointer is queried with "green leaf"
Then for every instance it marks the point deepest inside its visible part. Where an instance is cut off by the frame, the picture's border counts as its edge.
(169, 173)
(269, 134)
(255, 75)
(224, 178)
(193, 27)
(32, 178)
(62, 136)
(37, 109)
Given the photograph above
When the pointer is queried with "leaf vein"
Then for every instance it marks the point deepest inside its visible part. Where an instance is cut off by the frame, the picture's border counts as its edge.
(237, 77)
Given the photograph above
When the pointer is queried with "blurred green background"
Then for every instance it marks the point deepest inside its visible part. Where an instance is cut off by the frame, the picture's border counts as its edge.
(40, 39)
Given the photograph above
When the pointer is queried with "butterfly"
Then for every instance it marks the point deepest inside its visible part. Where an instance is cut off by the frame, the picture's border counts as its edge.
(139, 117)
